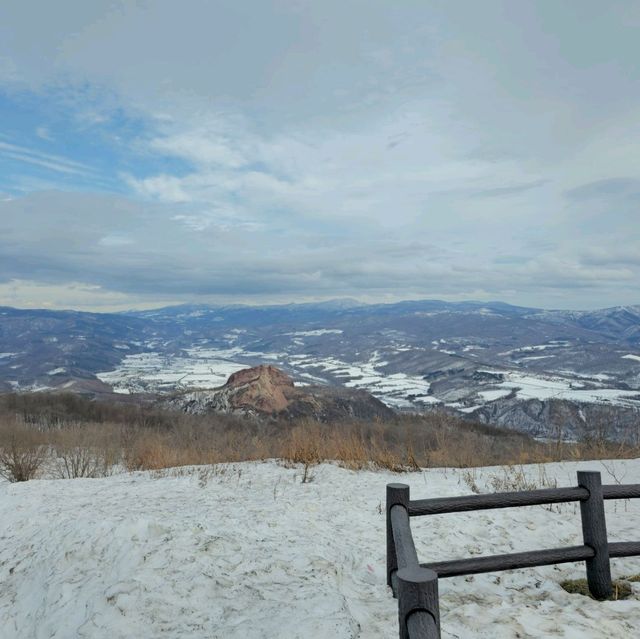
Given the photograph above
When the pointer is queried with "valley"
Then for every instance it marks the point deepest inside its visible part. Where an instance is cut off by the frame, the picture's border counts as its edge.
(528, 369)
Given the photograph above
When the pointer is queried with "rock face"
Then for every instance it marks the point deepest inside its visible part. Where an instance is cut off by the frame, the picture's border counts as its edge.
(267, 391)
(264, 389)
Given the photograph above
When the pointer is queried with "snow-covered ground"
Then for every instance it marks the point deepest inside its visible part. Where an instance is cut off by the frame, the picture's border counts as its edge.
(545, 387)
(250, 552)
(156, 372)
(395, 389)
(202, 367)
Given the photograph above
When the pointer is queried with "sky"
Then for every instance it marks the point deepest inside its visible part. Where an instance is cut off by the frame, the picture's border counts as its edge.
(276, 151)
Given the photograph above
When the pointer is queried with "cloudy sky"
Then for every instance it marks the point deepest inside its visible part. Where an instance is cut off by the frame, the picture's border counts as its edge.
(253, 151)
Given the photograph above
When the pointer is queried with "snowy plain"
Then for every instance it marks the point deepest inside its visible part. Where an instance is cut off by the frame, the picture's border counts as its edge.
(204, 367)
(249, 551)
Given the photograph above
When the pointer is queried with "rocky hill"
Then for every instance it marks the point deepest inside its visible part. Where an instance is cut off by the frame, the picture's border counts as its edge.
(267, 391)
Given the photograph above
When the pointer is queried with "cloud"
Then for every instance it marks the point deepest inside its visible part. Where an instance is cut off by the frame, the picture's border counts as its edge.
(146, 252)
(166, 188)
(505, 191)
(32, 156)
(43, 133)
(280, 151)
(606, 189)
(115, 239)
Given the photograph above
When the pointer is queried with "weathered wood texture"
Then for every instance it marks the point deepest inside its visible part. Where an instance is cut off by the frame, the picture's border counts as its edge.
(397, 494)
(443, 505)
(406, 554)
(624, 549)
(418, 605)
(594, 533)
(416, 585)
(624, 491)
(495, 563)
(421, 625)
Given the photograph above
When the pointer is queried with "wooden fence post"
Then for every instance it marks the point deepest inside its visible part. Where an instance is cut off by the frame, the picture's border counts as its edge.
(418, 604)
(396, 494)
(594, 532)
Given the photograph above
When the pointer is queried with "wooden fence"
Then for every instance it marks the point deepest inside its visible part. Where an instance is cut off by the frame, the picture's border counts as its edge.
(415, 585)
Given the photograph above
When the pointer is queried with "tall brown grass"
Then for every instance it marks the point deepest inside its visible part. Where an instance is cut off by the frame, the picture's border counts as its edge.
(80, 438)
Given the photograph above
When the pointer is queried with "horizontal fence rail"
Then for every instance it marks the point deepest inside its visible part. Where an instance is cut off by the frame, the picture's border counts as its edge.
(446, 505)
(624, 549)
(415, 584)
(615, 491)
(496, 563)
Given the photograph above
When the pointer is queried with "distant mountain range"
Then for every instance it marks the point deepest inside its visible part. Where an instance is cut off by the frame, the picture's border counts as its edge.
(539, 371)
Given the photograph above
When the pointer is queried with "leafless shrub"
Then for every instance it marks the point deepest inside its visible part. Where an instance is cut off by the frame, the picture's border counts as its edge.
(88, 437)
(85, 451)
(22, 452)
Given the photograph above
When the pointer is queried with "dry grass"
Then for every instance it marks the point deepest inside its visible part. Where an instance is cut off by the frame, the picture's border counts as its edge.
(621, 588)
(86, 439)
(513, 478)
(352, 446)
(85, 450)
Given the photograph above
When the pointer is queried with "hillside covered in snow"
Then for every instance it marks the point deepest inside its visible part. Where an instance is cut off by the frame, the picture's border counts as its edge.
(249, 551)
(527, 369)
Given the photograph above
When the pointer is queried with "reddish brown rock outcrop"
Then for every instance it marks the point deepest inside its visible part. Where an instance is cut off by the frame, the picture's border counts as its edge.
(265, 390)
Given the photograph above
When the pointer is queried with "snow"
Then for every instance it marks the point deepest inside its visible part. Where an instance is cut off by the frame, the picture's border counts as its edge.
(6, 355)
(536, 347)
(547, 387)
(317, 332)
(400, 390)
(599, 377)
(472, 347)
(157, 372)
(492, 395)
(203, 367)
(469, 409)
(247, 551)
(57, 371)
(634, 357)
(199, 368)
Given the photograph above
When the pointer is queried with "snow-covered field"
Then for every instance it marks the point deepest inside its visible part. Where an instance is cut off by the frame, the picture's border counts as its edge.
(395, 389)
(203, 368)
(156, 372)
(248, 551)
(545, 387)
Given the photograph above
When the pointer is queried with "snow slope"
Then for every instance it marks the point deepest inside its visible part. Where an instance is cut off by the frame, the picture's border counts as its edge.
(252, 552)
